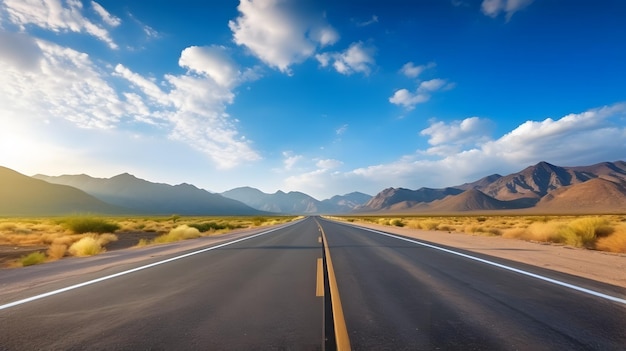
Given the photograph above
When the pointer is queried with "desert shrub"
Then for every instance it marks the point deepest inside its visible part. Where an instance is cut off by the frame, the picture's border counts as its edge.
(615, 242)
(80, 225)
(33, 258)
(182, 232)
(56, 251)
(583, 232)
(396, 222)
(537, 231)
(87, 246)
(7, 226)
(494, 231)
(383, 221)
(211, 226)
(413, 224)
(481, 219)
(429, 224)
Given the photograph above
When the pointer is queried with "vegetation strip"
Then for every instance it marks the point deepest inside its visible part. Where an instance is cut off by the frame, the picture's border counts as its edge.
(512, 269)
(341, 331)
(90, 282)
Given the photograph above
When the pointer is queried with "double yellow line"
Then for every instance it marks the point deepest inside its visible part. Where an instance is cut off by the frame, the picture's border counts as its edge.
(341, 331)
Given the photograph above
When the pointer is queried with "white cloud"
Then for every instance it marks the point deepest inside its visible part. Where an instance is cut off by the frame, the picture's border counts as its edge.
(290, 160)
(276, 33)
(410, 70)
(105, 15)
(341, 130)
(358, 58)
(25, 54)
(431, 85)
(212, 61)
(407, 99)
(493, 8)
(373, 20)
(463, 152)
(53, 15)
(328, 164)
(60, 84)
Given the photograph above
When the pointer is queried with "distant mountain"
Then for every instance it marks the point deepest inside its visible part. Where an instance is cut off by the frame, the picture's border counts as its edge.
(542, 187)
(293, 202)
(144, 197)
(348, 202)
(393, 196)
(597, 195)
(473, 200)
(24, 196)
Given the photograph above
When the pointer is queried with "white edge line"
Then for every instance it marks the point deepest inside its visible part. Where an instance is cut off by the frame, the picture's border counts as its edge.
(97, 280)
(516, 270)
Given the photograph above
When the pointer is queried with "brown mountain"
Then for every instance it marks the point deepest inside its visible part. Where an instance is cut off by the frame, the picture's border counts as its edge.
(393, 196)
(542, 187)
(25, 196)
(596, 195)
(533, 182)
(470, 200)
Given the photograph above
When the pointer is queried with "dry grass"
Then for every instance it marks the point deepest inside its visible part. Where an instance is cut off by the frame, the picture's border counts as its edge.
(606, 233)
(87, 246)
(33, 258)
(61, 235)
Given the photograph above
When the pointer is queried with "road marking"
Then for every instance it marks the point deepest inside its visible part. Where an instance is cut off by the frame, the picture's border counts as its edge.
(499, 265)
(90, 282)
(319, 286)
(341, 331)
(319, 239)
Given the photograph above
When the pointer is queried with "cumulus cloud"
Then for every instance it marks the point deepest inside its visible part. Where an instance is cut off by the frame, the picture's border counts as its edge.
(57, 16)
(463, 151)
(212, 61)
(105, 15)
(290, 159)
(410, 70)
(408, 99)
(276, 33)
(447, 138)
(60, 84)
(358, 58)
(493, 8)
(424, 90)
(25, 54)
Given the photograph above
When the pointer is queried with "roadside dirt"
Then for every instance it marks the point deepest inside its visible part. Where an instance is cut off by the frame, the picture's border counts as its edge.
(596, 265)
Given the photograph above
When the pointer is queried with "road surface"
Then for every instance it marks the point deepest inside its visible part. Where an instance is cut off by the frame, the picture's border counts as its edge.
(261, 292)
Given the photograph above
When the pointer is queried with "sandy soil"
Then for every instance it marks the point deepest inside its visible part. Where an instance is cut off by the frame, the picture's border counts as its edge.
(596, 265)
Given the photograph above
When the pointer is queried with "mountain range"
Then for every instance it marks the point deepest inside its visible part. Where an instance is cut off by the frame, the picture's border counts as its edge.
(541, 188)
(544, 187)
(295, 201)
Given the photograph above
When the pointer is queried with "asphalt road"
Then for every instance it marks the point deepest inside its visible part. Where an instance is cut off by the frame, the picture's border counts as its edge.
(398, 295)
(260, 294)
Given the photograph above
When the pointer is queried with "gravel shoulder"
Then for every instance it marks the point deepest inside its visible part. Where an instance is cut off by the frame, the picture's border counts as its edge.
(600, 266)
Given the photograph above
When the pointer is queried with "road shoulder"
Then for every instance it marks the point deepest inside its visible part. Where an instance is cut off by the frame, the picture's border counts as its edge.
(596, 265)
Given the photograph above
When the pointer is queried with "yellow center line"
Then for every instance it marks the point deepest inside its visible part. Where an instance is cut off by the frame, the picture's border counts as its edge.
(319, 287)
(341, 331)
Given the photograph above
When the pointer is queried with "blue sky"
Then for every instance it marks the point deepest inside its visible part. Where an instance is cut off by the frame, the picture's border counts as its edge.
(324, 97)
